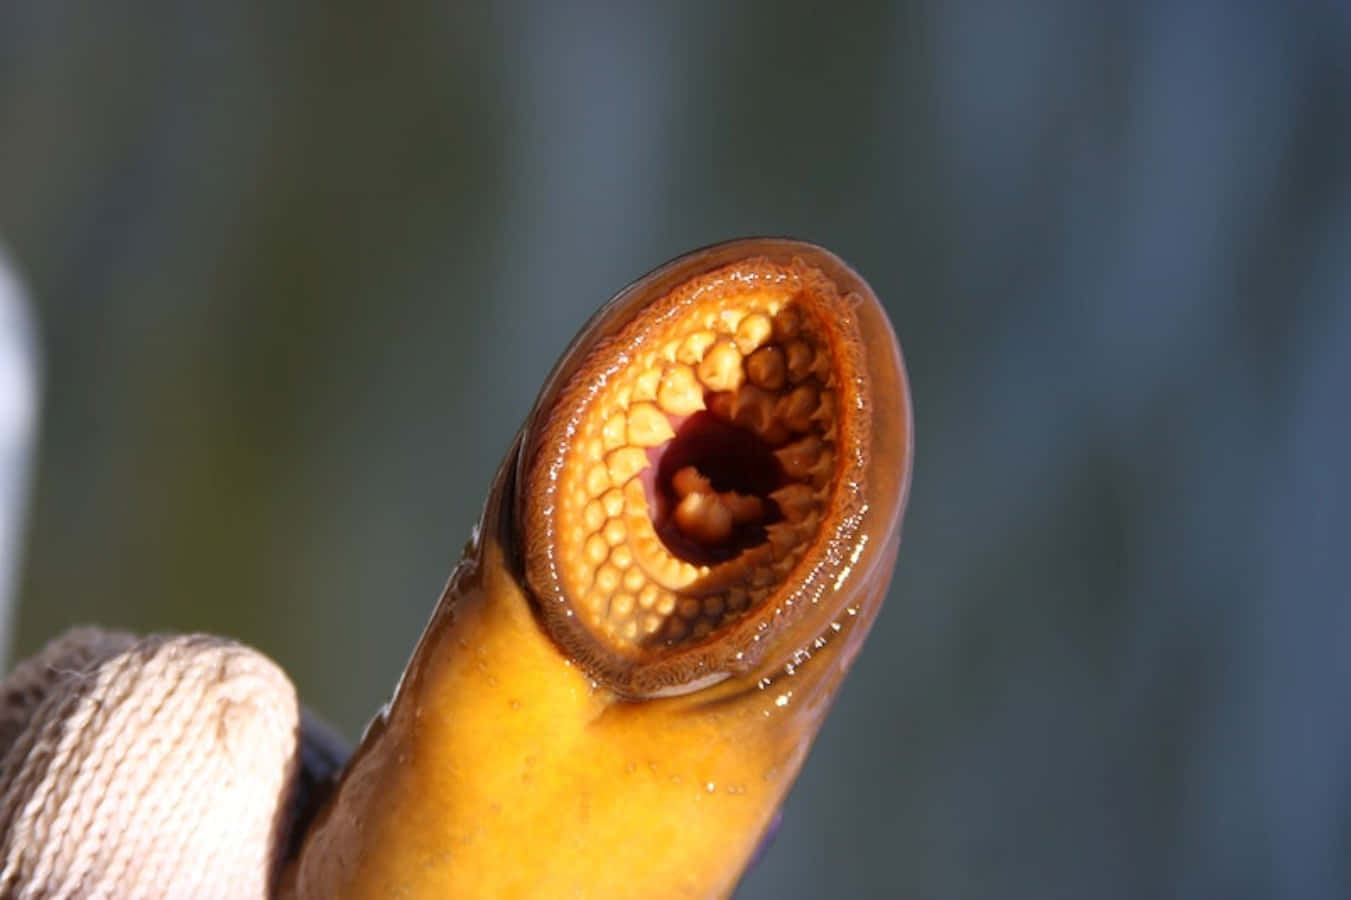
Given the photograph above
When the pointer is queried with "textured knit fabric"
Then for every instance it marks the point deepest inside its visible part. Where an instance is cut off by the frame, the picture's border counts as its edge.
(157, 767)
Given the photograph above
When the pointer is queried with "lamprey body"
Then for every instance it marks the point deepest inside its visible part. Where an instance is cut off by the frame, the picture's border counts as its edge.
(679, 560)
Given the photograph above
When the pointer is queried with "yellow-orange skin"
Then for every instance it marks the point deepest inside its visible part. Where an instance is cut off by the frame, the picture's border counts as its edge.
(500, 769)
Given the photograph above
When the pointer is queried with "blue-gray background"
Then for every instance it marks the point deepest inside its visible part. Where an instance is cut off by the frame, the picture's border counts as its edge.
(299, 268)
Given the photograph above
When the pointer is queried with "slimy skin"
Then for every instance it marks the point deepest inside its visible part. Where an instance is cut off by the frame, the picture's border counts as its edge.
(678, 561)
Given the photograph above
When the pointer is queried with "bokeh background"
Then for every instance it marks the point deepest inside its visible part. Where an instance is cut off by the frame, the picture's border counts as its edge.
(299, 268)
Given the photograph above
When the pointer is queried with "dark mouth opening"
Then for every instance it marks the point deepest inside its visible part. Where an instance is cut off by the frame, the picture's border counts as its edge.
(734, 460)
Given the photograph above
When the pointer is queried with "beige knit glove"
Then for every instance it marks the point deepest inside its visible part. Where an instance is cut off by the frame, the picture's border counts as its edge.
(155, 767)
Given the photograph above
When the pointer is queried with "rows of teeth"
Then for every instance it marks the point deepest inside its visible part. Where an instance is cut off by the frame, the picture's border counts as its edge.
(760, 366)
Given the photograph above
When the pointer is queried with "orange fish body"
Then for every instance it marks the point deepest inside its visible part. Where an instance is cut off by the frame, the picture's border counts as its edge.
(678, 561)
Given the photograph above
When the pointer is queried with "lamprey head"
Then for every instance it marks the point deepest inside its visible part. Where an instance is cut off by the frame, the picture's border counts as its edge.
(720, 452)
(677, 562)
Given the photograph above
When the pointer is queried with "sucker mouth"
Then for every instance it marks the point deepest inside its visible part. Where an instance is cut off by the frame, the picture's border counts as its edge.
(701, 454)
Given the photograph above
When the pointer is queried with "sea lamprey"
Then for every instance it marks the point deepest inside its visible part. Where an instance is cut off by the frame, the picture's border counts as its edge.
(677, 563)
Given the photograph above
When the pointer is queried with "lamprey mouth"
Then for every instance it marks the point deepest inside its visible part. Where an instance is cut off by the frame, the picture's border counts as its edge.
(678, 562)
(698, 476)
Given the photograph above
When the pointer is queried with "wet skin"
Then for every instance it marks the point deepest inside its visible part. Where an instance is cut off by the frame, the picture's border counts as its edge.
(678, 561)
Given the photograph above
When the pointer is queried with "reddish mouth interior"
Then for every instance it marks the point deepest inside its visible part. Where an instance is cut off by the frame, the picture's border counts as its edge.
(732, 459)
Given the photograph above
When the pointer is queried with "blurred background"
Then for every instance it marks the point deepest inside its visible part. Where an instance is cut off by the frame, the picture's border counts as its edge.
(297, 271)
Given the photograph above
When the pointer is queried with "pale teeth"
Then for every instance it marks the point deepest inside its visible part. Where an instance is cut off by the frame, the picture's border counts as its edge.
(593, 516)
(703, 518)
(648, 426)
(695, 345)
(690, 481)
(607, 579)
(721, 367)
(597, 480)
(766, 369)
(647, 595)
(731, 318)
(763, 368)
(753, 331)
(624, 463)
(676, 574)
(596, 549)
(679, 394)
(613, 432)
(645, 385)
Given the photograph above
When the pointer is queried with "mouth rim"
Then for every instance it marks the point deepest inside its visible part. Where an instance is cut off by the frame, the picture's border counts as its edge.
(854, 509)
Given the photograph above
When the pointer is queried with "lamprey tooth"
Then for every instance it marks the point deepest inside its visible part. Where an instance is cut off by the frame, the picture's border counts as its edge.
(615, 431)
(689, 480)
(645, 385)
(798, 356)
(596, 549)
(597, 479)
(721, 368)
(593, 517)
(647, 595)
(624, 463)
(786, 324)
(694, 346)
(704, 518)
(799, 457)
(795, 500)
(648, 426)
(679, 394)
(795, 410)
(676, 566)
(765, 367)
(752, 331)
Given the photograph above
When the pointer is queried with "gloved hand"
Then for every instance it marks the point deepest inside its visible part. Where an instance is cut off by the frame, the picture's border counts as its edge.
(165, 766)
